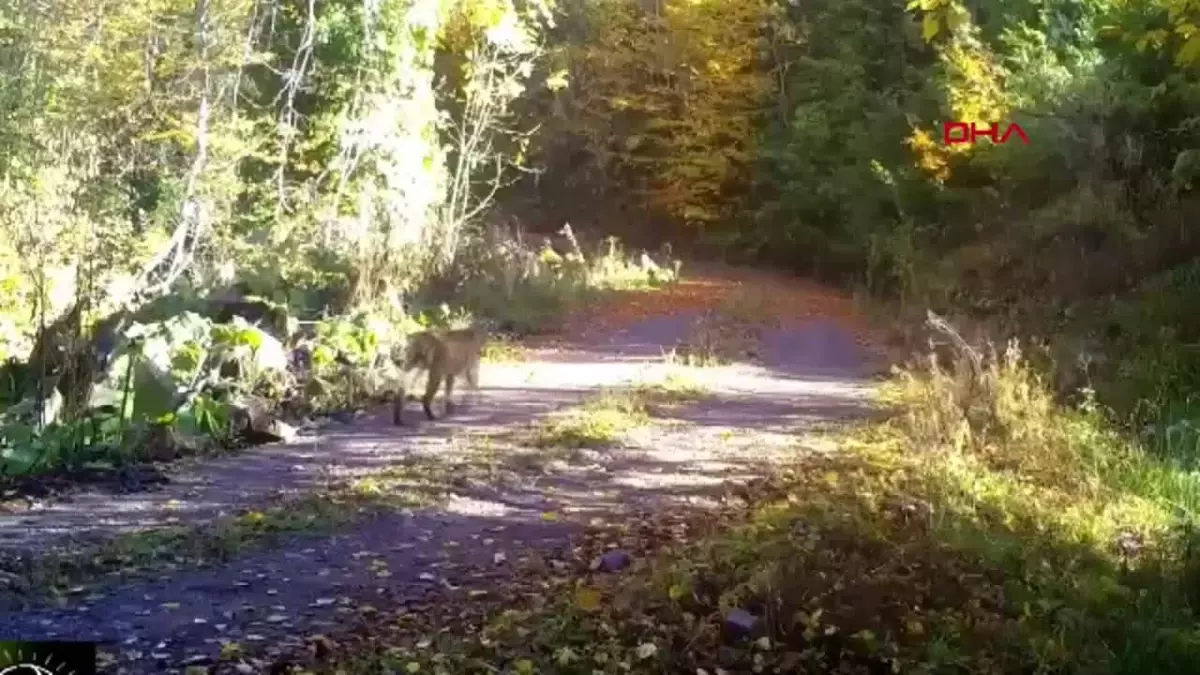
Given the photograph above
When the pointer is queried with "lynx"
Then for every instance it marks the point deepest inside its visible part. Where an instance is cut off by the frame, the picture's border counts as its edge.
(445, 355)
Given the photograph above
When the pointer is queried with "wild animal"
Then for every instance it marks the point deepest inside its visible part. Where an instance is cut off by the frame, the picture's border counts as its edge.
(444, 355)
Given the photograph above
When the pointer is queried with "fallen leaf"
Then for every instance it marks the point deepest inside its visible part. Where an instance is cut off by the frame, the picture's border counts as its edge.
(588, 599)
(646, 650)
(230, 650)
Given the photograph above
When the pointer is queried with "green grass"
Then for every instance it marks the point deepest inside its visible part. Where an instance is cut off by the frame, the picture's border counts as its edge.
(603, 418)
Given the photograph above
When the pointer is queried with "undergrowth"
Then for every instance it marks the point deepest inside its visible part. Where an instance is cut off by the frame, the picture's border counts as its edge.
(528, 291)
(334, 365)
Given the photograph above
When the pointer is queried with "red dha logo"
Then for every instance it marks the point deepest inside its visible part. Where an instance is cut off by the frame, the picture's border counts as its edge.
(957, 133)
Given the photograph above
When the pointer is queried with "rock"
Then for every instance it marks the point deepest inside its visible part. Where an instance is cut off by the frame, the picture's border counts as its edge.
(283, 430)
(189, 443)
(253, 420)
(614, 561)
(741, 622)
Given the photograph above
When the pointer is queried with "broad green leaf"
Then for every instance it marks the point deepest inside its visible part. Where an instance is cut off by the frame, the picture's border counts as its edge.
(153, 393)
(1189, 53)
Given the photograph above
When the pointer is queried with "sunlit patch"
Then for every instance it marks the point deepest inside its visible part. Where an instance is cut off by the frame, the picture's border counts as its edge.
(650, 481)
(467, 506)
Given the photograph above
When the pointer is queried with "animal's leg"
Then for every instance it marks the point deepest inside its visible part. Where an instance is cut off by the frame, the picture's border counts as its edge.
(431, 387)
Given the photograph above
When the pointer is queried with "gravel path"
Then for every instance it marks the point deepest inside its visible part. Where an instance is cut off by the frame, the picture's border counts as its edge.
(814, 374)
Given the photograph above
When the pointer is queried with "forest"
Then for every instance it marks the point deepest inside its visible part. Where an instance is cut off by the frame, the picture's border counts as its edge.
(222, 220)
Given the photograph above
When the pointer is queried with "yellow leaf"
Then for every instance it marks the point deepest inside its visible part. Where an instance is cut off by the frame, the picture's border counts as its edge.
(550, 516)
(957, 18)
(557, 80)
(930, 25)
(587, 599)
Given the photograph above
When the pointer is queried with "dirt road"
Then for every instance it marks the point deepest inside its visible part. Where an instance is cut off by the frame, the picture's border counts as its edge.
(812, 372)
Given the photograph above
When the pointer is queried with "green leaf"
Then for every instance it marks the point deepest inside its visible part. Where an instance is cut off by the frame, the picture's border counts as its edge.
(1189, 53)
(153, 395)
(24, 456)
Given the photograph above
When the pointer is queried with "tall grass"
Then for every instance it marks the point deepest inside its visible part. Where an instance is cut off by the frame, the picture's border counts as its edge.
(1086, 521)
